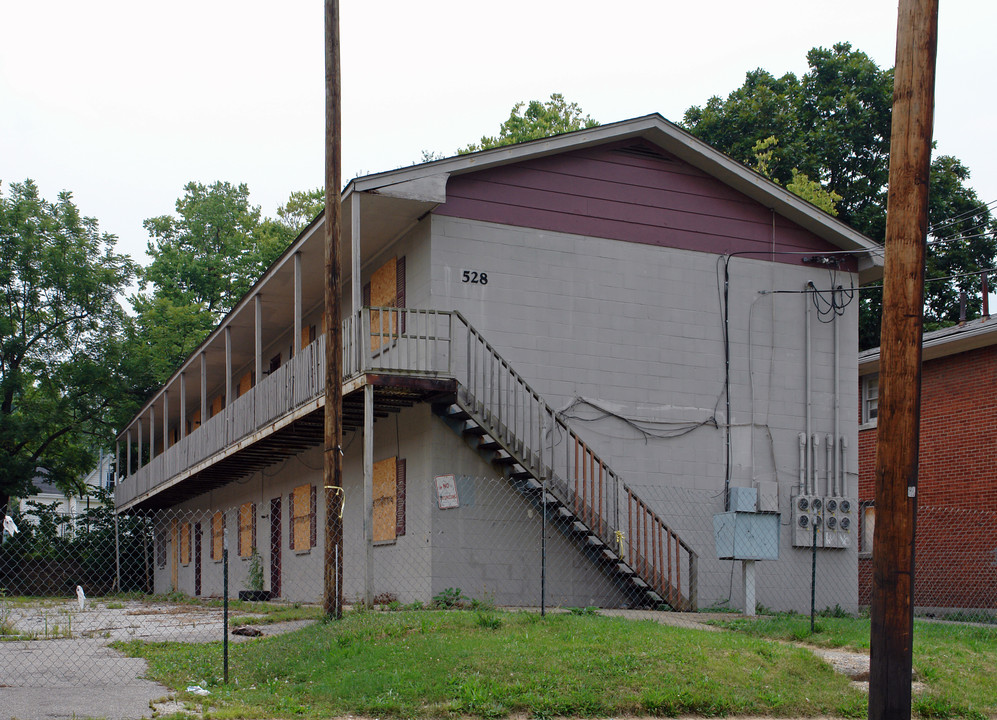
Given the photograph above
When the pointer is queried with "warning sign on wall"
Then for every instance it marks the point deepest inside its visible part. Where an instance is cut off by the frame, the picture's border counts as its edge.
(446, 491)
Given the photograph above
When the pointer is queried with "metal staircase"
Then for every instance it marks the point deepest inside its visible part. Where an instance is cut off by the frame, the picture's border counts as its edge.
(510, 425)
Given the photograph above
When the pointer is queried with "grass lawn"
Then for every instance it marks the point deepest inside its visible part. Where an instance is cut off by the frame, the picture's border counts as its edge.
(492, 664)
(957, 662)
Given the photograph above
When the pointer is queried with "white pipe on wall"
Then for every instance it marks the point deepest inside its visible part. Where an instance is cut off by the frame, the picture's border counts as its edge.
(829, 447)
(807, 379)
(837, 403)
(803, 463)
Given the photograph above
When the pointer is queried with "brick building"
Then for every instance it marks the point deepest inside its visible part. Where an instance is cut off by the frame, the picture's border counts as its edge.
(956, 532)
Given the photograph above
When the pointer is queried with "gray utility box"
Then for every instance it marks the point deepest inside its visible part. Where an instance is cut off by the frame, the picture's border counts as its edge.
(746, 535)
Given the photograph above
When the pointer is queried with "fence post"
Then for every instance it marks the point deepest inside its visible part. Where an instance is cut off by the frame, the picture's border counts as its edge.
(117, 555)
(225, 609)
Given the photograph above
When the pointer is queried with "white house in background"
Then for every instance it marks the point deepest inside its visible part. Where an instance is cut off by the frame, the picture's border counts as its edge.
(67, 505)
(622, 315)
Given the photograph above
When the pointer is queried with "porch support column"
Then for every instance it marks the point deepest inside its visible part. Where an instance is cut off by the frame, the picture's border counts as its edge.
(152, 432)
(368, 493)
(183, 406)
(140, 443)
(228, 366)
(356, 287)
(117, 460)
(296, 343)
(258, 305)
(166, 422)
(204, 388)
(128, 453)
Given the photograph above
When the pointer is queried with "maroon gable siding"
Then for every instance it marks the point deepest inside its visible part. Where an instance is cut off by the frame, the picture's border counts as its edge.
(626, 191)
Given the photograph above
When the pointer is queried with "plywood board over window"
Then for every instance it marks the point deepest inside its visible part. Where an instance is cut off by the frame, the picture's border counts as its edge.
(245, 383)
(217, 535)
(247, 529)
(301, 517)
(389, 499)
(386, 289)
(307, 336)
(216, 405)
(195, 420)
(185, 543)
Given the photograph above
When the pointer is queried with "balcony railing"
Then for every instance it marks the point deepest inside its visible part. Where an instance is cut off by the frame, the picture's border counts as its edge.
(396, 340)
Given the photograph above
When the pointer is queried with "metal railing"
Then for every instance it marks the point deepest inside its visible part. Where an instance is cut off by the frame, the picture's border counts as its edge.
(428, 342)
(517, 416)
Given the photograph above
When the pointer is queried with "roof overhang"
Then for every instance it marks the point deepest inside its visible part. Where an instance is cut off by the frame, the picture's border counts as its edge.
(972, 335)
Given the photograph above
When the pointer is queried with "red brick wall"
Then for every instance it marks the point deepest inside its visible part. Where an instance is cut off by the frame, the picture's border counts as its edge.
(956, 544)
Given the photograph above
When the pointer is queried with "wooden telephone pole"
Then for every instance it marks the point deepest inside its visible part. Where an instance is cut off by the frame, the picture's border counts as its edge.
(333, 456)
(900, 376)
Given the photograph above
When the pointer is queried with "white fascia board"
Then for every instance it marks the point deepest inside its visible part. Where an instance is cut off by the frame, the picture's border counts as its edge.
(973, 335)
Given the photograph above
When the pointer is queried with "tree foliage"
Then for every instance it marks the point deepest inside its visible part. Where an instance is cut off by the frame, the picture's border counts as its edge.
(832, 128)
(204, 260)
(64, 371)
(538, 120)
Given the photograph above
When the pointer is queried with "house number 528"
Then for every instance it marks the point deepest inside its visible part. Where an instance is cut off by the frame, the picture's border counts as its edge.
(475, 277)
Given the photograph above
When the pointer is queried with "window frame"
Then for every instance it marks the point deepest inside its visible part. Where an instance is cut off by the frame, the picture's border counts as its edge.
(869, 400)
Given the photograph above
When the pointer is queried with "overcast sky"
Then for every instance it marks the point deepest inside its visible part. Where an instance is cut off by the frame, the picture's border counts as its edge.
(124, 102)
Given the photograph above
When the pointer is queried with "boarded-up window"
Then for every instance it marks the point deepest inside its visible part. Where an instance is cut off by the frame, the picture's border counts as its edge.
(174, 436)
(217, 535)
(307, 336)
(247, 529)
(301, 516)
(216, 405)
(385, 289)
(275, 363)
(195, 421)
(245, 384)
(185, 543)
(389, 499)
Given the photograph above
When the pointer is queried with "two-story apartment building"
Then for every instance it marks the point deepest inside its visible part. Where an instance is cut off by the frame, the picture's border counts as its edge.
(608, 329)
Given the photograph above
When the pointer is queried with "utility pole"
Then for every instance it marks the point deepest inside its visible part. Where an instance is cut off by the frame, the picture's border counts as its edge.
(900, 377)
(333, 456)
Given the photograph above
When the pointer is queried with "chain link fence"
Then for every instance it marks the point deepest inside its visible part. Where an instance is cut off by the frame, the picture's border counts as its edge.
(71, 590)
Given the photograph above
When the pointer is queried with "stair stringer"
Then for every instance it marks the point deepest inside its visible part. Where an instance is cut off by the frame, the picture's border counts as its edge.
(525, 473)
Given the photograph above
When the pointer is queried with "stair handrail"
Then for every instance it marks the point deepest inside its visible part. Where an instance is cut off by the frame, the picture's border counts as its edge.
(608, 529)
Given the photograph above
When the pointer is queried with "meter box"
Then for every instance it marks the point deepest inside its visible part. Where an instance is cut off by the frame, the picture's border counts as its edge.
(808, 512)
(839, 522)
(746, 536)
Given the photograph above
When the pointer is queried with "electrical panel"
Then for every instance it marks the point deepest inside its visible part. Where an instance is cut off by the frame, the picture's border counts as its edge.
(807, 514)
(743, 499)
(768, 496)
(840, 524)
(746, 535)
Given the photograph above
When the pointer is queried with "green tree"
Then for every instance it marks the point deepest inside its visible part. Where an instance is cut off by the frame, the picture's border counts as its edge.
(301, 208)
(832, 128)
(210, 253)
(538, 120)
(63, 365)
(204, 259)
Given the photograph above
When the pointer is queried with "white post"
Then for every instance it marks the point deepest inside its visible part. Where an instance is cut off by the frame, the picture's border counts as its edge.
(296, 342)
(228, 366)
(183, 405)
(204, 388)
(748, 575)
(368, 492)
(258, 304)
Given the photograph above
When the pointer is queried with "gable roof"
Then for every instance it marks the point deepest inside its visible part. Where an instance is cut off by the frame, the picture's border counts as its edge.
(427, 182)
